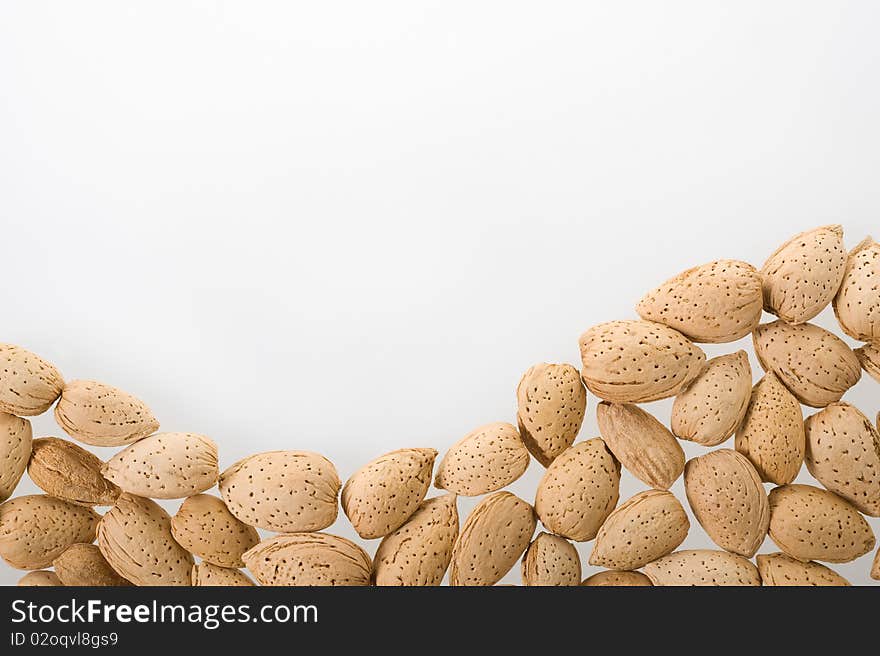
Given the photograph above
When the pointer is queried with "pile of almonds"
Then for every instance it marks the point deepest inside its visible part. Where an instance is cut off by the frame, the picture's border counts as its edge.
(294, 495)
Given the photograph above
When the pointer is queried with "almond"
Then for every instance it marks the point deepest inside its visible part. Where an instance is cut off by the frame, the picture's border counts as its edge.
(485, 460)
(284, 491)
(771, 435)
(308, 559)
(36, 529)
(816, 366)
(579, 490)
(206, 574)
(869, 358)
(40, 578)
(551, 561)
(713, 405)
(702, 567)
(101, 415)
(804, 274)
(384, 493)
(642, 444)
(809, 523)
(778, 569)
(15, 449)
(843, 454)
(716, 302)
(418, 553)
(67, 471)
(492, 539)
(84, 565)
(204, 526)
(649, 525)
(551, 401)
(637, 361)
(135, 538)
(612, 578)
(875, 568)
(28, 384)
(857, 304)
(165, 466)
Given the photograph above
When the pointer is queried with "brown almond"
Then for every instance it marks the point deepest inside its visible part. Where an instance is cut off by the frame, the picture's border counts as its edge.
(65, 470)
(204, 526)
(101, 415)
(875, 568)
(780, 570)
(40, 578)
(308, 559)
(613, 578)
(857, 304)
(206, 574)
(869, 357)
(28, 384)
(551, 561)
(702, 567)
(485, 460)
(84, 565)
(15, 449)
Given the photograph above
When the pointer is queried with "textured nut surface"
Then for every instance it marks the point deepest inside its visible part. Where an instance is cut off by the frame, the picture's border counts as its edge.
(771, 435)
(102, 415)
(311, 559)
(204, 526)
(383, 494)
(815, 365)
(84, 565)
(40, 578)
(875, 568)
(579, 490)
(613, 578)
(485, 460)
(716, 302)
(207, 574)
(28, 384)
(637, 361)
(702, 567)
(642, 444)
(551, 401)
(15, 449)
(551, 561)
(778, 569)
(67, 471)
(869, 357)
(857, 304)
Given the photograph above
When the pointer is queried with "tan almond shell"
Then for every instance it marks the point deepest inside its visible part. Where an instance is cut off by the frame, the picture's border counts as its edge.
(135, 538)
(208, 574)
(615, 579)
(809, 523)
(857, 304)
(643, 445)
(494, 536)
(35, 529)
(875, 568)
(843, 454)
(40, 578)
(102, 415)
(28, 384)
(485, 460)
(771, 435)
(713, 405)
(637, 361)
(165, 466)
(579, 490)
(815, 365)
(65, 470)
(418, 553)
(204, 526)
(551, 561)
(384, 493)
(84, 565)
(777, 569)
(16, 438)
(644, 528)
(308, 559)
(702, 567)
(551, 402)
(283, 491)
(803, 275)
(869, 357)
(720, 301)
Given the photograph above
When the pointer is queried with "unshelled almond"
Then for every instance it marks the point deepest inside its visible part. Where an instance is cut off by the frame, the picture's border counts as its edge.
(15, 450)
(207, 574)
(204, 526)
(857, 304)
(28, 384)
(869, 357)
(702, 567)
(84, 565)
(40, 578)
(102, 415)
(67, 471)
(308, 559)
(485, 460)
(614, 579)
(551, 560)
(875, 568)
(779, 569)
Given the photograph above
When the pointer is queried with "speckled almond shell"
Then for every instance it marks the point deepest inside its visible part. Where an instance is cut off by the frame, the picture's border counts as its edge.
(418, 553)
(804, 274)
(384, 493)
(716, 302)
(771, 435)
(875, 568)
(36, 529)
(857, 304)
(485, 460)
(702, 567)
(579, 490)
(728, 500)
(647, 526)
(40, 578)
(713, 405)
(65, 470)
(551, 401)
(843, 454)
(206, 574)
(777, 569)
(637, 361)
(551, 560)
(135, 538)
(84, 565)
(15, 450)
(204, 526)
(642, 444)
(869, 357)
(494, 536)
(165, 466)
(283, 491)
(809, 523)
(615, 579)
(815, 365)
(308, 559)
(101, 415)
(28, 384)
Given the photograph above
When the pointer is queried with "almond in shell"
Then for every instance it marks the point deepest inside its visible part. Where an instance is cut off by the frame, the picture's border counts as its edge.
(206, 574)
(308, 559)
(40, 578)
(84, 565)
(204, 526)
(614, 579)
(780, 570)
(551, 561)
(875, 568)
(485, 460)
(869, 357)
(28, 384)
(702, 567)
(15, 449)
(857, 304)
(65, 470)
(102, 415)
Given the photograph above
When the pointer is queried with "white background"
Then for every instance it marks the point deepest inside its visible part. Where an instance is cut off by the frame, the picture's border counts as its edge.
(349, 227)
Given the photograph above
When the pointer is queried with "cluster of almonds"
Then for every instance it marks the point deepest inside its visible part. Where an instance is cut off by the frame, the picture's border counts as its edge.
(296, 494)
